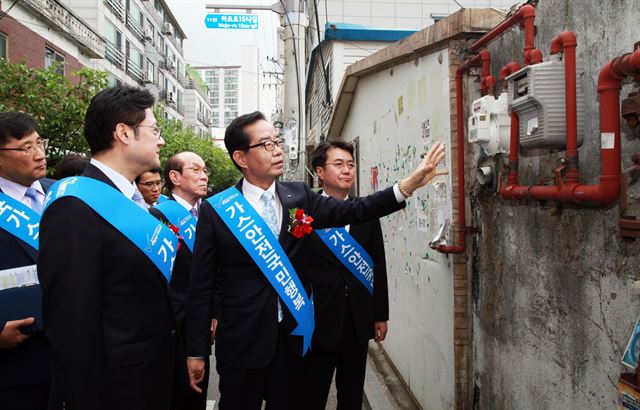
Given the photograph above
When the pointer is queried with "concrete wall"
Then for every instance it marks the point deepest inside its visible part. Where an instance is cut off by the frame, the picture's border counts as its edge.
(553, 306)
(397, 113)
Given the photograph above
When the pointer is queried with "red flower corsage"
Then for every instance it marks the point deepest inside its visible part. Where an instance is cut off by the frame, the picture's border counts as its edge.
(176, 231)
(299, 223)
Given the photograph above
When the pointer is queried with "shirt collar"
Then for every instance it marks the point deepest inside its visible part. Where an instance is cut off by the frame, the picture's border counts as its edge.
(17, 191)
(253, 193)
(325, 194)
(184, 203)
(125, 186)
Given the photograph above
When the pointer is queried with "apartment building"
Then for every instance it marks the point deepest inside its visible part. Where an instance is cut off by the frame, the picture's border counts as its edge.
(41, 32)
(144, 46)
(198, 112)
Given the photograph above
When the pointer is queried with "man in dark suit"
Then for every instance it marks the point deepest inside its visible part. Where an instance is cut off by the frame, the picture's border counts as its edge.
(25, 358)
(186, 178)
(346, 314)
(150, 185)
(107, 312)
(257, 359)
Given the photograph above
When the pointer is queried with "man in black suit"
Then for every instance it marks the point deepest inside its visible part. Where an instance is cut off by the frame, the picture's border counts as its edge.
(257, 359)
(186, 178)
(107, 312)
(150, 185)
(346, 314)
(25, 358)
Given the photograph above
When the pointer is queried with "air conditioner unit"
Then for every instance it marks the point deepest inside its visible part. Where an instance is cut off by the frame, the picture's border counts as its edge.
(170, 98)
(166, 29)
(148, 34)
(146, 79)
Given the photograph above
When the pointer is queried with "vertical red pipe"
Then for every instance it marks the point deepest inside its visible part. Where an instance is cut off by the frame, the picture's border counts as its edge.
(461, 224)
(488, 82)
(512, 180)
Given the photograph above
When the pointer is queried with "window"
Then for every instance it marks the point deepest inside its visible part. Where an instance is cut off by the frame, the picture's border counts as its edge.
(161, 80)
(134, 55)
(3, 46)
(53, 58)
(151, 70)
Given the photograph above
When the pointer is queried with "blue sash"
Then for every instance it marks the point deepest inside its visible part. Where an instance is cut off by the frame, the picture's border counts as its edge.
(261, 244)
(150, 235)
(177, 215)
(162, 198)
(350, 253)
(19, 220)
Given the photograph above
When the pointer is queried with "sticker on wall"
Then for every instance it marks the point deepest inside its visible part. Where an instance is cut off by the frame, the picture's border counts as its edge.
(422, 221)
(374, 179)
(426, 131)
(400, 105)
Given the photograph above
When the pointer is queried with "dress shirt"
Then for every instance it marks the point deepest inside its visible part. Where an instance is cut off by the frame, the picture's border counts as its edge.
(125, 186)
(17, 191)
(184, 203)
(253, 194)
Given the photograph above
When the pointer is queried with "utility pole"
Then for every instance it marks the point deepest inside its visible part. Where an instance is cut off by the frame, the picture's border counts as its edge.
(294, 19)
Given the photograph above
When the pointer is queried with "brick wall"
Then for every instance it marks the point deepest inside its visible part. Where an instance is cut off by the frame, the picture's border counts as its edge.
(26, 46)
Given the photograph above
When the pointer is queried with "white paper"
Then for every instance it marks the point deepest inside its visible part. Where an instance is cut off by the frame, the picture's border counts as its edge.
(17, 277)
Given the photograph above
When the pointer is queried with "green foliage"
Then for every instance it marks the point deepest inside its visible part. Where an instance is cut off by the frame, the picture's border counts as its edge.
(58, 104)
(180, 138)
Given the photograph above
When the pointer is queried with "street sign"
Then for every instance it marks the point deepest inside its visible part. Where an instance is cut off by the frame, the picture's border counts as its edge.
(232, 21)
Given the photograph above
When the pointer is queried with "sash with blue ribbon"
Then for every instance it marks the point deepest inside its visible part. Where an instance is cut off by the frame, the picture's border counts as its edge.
(350, 253)
(19, 220)
(155, 240)
(162, 198)
(262, 245)
(177, 215)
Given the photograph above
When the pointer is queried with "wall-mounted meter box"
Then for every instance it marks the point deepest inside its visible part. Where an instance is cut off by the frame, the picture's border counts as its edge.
(489, 124)
(537, 95)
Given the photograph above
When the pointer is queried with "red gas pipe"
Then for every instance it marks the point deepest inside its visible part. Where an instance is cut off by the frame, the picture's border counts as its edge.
(506, 71)
(488, 82)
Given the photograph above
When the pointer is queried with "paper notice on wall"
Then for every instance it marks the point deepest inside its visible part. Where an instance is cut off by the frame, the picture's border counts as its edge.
(630, 357)
(532, 125)
(607, 140)
(422, 221)
(18, 277)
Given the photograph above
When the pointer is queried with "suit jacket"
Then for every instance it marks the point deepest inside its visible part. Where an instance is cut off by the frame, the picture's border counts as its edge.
(106, 310)
(335, 288)
(248, 327)
(30, 362)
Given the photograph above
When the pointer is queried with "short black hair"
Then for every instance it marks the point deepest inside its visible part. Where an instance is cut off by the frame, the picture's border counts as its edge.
(71, 165)
(235, 138)
(156, 170)
(16, 125)
(173, 164)
(319, 154)
(110, 107)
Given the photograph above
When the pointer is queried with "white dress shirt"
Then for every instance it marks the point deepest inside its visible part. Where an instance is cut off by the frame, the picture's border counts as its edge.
(128, 188)
(253, 193)
(17, 191)
(186, 204)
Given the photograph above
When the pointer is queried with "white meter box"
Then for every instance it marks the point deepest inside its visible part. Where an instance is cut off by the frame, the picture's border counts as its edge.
(490, 123)
(537, 95)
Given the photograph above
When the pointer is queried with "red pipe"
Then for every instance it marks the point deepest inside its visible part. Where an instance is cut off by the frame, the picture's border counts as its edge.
(488, 82)
(461, 226)
(525, 15)
(505, 192)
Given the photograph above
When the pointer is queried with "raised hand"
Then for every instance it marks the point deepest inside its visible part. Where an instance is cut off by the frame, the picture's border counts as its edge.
(425, 171)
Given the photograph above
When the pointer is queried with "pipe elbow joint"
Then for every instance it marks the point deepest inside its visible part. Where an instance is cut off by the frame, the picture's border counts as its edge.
(526, 11)
(563, 40)
(608, 79)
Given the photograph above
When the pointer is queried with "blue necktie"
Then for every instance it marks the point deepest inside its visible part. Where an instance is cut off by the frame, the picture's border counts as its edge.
(268, 213)
(32, 194)
(139, 200)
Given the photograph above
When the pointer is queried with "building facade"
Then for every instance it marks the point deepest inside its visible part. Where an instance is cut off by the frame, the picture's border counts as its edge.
(198, 112)
(42, 32)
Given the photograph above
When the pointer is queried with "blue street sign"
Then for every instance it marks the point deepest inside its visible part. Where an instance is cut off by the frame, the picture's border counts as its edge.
(232, 21)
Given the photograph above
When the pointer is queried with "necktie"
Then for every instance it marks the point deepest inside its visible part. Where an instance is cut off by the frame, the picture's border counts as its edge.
(268, 213)
(139, 200)
(194, 212)
(32, 194)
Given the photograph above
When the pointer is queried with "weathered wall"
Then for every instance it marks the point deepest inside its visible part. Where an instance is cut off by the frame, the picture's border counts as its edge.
(553, 306)
(396, 114)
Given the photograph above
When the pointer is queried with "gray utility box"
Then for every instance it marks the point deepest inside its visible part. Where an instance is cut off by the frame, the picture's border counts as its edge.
(537, 94)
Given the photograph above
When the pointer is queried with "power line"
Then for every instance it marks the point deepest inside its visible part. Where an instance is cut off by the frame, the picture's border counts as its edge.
(8, 10)
(295, 57)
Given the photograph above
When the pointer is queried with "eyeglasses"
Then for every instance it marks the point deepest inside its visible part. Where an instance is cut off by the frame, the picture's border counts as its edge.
(153, 184)
(29, 149)
(198, 170)
(157, 131)
(269, 145)
(341, 164)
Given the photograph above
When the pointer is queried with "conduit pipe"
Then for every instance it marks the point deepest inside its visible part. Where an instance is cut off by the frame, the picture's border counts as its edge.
(488, 82)
(526, 16)
(609, 86)
(461, 226)
(512, 180)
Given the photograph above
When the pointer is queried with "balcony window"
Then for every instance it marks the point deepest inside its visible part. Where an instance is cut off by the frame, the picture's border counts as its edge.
(54, 58)
(3, 46)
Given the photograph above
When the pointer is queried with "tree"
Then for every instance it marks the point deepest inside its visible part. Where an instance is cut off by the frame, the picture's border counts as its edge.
(57, 104)
(180, 138)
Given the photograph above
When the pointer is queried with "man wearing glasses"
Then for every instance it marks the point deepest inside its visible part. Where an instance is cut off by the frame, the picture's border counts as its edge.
(106, 303)
(150, 185)
(256, 356)
(347, 312)
(187, 177)
(25, 355)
